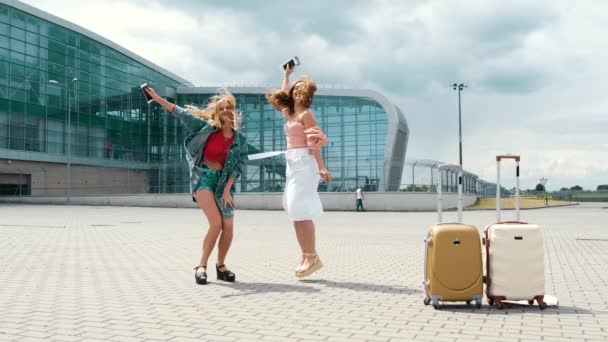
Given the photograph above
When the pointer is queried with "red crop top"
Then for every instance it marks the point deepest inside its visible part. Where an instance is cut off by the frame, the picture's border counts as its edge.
(216, 147)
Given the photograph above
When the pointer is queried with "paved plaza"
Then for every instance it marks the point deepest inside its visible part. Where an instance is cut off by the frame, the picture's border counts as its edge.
(125, 274)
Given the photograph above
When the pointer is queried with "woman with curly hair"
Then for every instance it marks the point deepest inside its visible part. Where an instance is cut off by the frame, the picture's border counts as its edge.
(305, 166)
(213, 150)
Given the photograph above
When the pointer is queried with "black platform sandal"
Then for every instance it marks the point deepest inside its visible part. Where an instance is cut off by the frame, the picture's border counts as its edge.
(200, 277)
(226, 275)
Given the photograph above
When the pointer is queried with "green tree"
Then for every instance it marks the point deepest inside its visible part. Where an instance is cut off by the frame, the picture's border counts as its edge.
(602, 187)
(564, 189)
(577, 187)
(540, 187)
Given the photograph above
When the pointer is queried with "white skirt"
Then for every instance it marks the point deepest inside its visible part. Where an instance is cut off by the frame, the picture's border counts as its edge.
(301, 200)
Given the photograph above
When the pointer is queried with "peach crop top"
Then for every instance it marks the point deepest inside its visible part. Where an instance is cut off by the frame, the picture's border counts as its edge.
(295, 134)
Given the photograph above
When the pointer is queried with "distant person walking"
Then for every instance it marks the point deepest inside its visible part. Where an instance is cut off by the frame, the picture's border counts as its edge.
(213, 150)
(359, 193)
(305, 167)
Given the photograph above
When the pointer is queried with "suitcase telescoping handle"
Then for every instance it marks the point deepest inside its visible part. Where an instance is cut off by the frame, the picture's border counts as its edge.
(440, 188)
(498, 159)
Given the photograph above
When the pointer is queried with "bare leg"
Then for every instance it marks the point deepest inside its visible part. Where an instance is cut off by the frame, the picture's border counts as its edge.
(225, 240)
(301, 236)
(206, 202)
(305, 233)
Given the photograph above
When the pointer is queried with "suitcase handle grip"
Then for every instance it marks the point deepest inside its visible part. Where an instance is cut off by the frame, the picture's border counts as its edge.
(512, 222)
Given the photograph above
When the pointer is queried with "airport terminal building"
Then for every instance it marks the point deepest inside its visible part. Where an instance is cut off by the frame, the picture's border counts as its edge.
(70, 103)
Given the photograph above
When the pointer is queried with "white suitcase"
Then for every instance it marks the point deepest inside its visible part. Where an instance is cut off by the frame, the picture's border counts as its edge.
(515, 268)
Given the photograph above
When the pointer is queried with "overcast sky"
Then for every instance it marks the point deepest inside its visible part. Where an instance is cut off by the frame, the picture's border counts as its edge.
(536, 70)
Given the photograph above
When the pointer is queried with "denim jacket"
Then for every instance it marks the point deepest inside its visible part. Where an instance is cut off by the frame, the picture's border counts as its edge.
(198, 132)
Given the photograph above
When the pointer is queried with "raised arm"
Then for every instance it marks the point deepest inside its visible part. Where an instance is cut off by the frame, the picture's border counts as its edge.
(285, 85)
(192, 122)
(168, 105)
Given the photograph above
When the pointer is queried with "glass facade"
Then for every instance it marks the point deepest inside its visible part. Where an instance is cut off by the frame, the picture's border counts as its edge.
(51, 75)
(356, 127)
(39, 60)
(69, 99)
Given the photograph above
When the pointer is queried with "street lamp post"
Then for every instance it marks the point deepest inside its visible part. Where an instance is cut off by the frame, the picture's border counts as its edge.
(460, 87)
(543, 181)
(69, 142)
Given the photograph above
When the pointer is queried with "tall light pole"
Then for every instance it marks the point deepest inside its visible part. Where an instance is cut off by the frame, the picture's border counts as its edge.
(543, 181)
(460, 87)
(69, 142)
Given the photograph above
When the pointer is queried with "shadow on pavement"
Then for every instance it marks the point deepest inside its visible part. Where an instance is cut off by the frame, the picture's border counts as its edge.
(262, 288)
(367, 287)
(245, 288)
(514, 309)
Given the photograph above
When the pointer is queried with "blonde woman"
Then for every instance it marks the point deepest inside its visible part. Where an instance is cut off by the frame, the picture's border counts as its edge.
(305, 167)
(213, 150)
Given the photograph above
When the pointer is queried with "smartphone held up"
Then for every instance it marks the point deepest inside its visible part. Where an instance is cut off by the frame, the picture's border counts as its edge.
(146, 95)
(292, 62)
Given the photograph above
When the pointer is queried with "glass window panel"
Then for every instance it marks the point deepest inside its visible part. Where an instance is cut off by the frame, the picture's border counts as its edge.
(17, 45)
(33, 24)
(4, 14)
(83, 54)
(31, 50)
(17, 95)
(33, 95)
(84, 76)
(18, 18)
(18, 70)
(43, 42)
(56, 57)
(4, 54)
(17, 33)
(57, 32)
(84, 65)
(32, 62)
(43, 53)
(17, 82)
(5, 42)
(57, 46)
(84, 87)
(17, 58)
(98, 48)
(73, 38)
(56, 69)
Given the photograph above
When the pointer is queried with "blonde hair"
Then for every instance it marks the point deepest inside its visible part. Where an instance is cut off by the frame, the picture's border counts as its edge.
(210, 113)
(281, 100)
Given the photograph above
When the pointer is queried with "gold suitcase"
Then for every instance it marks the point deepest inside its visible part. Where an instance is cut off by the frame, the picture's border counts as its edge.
(453, 264)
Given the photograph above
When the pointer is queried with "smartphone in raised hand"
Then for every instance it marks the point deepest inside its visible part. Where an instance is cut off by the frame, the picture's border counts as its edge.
(292, 62)
(142, 87)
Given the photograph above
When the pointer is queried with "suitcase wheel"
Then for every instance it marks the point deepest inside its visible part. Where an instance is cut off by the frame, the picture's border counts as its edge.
(500, 305)
(436, 306)
(531, 302)
(427, 301)
(542, 305)
(469, 302)
(478, 303)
